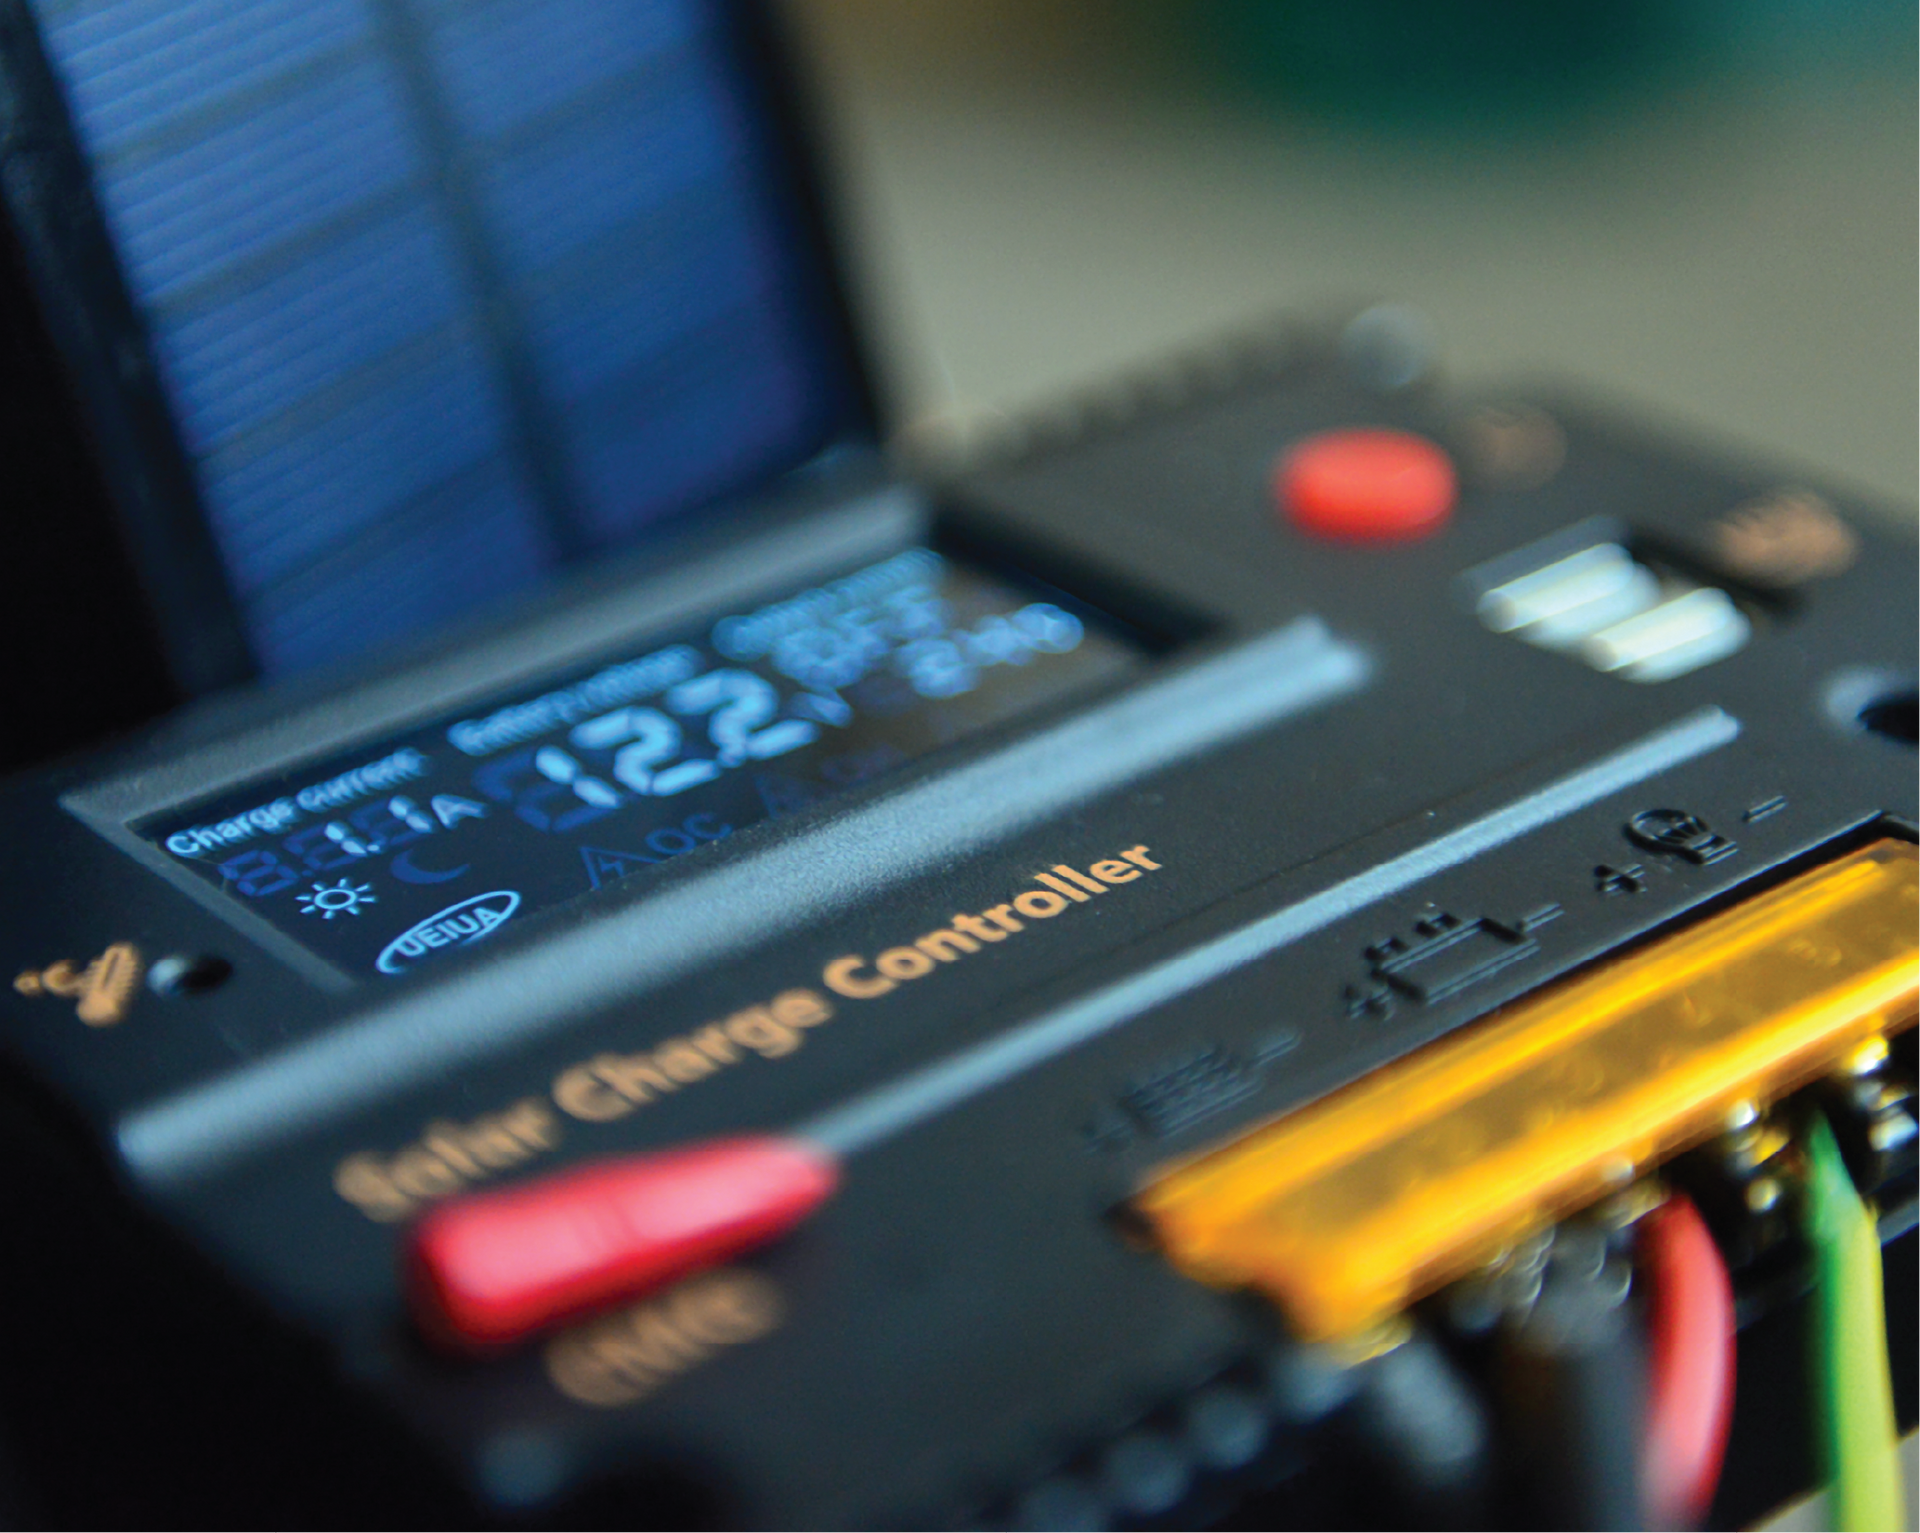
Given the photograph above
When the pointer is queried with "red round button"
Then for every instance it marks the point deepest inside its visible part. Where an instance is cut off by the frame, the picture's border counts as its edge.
(1366, 485)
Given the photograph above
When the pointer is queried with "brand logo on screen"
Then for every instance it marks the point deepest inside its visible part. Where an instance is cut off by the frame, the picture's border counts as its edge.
(458, 925)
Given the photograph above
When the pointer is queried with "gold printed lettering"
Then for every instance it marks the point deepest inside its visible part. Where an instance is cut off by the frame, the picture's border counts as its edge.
(532, 1123)
(1075, 876)
(622, 1357)
(726, 1314)
(681, 1060)
(419, 1173)
(582, 1373)
(1058, 888)
(947, 946)
(712, 1040)
(1040, 904)
(800, 1008)
(102, 991)
(62, 978)
(654, 1343)
(756, 1029)
(450, 1155)
(635, 1076)
(840, 977)
(492, 1142)
(581, 1094)
(360, 1180)
(440, 1139)
(109, 985)
(903, 963)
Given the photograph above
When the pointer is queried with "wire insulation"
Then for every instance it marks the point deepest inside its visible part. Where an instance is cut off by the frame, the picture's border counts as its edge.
(1573, 1383)
(1691, 1371)
(1854, 1386)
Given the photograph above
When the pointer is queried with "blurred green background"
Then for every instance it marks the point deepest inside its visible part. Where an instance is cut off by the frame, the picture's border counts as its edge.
(1513, 65)
(1708, 208)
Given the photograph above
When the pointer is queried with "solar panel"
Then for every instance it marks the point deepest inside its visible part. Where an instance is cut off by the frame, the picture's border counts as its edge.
(445, 295)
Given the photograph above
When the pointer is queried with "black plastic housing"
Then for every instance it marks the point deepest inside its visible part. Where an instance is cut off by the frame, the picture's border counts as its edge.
(965, 1322)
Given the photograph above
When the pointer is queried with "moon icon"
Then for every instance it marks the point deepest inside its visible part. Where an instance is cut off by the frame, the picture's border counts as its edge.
(404, 870)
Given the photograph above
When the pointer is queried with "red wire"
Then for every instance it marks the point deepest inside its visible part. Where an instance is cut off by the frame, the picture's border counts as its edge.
(1690, 1393)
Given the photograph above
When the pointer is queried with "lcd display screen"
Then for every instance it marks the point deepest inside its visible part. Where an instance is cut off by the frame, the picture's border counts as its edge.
(447, 294)
(424, 844)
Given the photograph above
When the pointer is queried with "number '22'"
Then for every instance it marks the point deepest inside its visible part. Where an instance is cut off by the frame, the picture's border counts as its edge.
(644, 743)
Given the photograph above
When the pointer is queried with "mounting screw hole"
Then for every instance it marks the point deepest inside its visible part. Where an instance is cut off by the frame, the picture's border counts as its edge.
(181, 974)
(1891, 716)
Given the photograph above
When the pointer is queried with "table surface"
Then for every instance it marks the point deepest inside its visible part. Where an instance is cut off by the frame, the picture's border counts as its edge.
(1041, 192)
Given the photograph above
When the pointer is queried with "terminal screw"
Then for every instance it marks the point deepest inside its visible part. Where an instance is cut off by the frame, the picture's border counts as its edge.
(1739, 1181)
(1872, 1113)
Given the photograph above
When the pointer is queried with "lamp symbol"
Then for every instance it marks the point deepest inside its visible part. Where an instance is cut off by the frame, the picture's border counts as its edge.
(343, 898)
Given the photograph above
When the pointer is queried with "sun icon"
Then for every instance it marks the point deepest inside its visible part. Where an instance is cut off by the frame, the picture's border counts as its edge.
(343, 898)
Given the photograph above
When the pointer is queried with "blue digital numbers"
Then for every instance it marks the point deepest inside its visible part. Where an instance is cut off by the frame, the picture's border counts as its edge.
(644, 743)
(322, 848)
(643, 751)
(739, 703)
(606, 775)
(909, 635)
(547, 788)
(257, 874)
(390, 824)
(385, 825)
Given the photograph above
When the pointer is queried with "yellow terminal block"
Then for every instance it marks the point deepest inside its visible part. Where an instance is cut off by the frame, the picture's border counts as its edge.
(1350, 1209)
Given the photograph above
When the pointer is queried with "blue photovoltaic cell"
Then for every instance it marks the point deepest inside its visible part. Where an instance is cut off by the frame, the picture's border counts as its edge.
(134, 75)
(480, 535)
(445, 292)
(625, 438)
(597, 176)
(252, 357)
(292, 502)
(502, 66)
(653, 295)
(249, 187)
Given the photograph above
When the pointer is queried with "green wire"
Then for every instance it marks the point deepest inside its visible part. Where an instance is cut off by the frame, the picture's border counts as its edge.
(1854, 1386)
